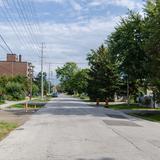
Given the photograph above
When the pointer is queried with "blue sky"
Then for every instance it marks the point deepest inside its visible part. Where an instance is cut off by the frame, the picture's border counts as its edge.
(69, 28)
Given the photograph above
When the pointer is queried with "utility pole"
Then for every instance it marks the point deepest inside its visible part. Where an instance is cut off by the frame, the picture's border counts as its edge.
(128, 97)
(49, 79)
(31, 81)
(42, 85)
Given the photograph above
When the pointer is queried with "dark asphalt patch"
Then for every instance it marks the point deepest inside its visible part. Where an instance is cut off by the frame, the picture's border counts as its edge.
(116, 116)
(120, 123)
(20, 129)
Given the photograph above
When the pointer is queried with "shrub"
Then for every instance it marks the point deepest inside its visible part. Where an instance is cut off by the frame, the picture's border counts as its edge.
(146, 101)
(15, 91)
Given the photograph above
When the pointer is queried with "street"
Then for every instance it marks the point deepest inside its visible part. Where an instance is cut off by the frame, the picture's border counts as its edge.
(69, 129)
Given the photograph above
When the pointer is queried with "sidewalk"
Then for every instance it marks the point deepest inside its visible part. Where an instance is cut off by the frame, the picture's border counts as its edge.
(10, 103)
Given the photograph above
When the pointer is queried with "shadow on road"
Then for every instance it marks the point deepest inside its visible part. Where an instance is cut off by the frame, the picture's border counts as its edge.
(75, 107)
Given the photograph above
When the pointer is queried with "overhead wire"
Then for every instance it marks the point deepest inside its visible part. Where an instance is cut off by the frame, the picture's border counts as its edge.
(1, 37)
(23, 10)
(25, 22)
(3, 48)
(11, 21)
(32, 13)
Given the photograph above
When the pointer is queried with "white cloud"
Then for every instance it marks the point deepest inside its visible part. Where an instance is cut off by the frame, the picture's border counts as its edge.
(69, 41)
(44, 1)
(64, 42)
(131, 4)
(76, 6)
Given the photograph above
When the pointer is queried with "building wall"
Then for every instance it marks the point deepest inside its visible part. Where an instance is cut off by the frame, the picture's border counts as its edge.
(12, 57)
(13, 68)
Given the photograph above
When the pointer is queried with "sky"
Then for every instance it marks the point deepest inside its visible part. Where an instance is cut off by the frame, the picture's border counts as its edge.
(69, 28)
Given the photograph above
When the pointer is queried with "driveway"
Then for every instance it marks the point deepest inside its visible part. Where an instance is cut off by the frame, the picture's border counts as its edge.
(69, 129)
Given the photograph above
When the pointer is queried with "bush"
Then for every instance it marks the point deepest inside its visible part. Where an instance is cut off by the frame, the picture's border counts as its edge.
(146, 100)
(35, 90)
(15, 91)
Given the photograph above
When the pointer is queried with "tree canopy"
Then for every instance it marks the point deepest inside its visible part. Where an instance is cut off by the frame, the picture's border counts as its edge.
(103, 76)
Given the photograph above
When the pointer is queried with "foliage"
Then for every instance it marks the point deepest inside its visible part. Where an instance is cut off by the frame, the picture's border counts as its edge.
(16, 87)
(103, 76)
(126, 47)
(80, 81)
(66, 76)
(35, 89)
(15, 90)
(152, 43)
(132, 56)
(37, 82)
(73, 80)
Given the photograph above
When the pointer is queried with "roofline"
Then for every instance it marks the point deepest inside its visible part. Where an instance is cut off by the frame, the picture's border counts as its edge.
(15, 62)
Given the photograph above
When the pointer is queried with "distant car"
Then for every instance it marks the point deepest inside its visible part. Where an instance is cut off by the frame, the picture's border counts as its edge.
(55, 94)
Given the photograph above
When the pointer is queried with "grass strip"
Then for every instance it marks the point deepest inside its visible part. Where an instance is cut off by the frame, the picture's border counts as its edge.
(130, 107)
(21, 106)
(155, 117)
(6, 128)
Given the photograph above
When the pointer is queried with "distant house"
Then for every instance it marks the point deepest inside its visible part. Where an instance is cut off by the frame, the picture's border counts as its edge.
(15, 66)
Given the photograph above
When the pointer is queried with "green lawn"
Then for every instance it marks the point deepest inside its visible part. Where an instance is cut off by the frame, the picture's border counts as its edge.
(20, 106)
(148, 116)
(83, 97)
(2, 102)
(46, 99)
(5, 128)
(125, 106)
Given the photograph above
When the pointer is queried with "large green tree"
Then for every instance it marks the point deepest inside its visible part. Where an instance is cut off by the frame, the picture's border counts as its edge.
(126, 46)
(66, 75)
(152, 42)
(103, 77)
(81, 81)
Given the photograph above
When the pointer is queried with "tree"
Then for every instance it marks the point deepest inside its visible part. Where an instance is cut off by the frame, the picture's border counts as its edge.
(81, 81)
(15, 91)
(152, 41)
(126, 46)
(37, 81)
(103, 77)
(66, 76)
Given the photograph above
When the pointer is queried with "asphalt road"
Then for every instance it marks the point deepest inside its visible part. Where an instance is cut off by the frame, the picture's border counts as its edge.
(69, 129)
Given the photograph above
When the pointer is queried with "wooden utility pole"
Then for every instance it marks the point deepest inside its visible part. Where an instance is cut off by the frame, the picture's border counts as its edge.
(42, 85)
(128, 91)
(49, 79)
(31, 81)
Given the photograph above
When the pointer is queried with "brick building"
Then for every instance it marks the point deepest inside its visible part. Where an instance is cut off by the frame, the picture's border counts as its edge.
(15, 66)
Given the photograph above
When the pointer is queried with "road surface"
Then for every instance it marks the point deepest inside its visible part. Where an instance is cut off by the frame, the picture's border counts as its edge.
(69, 129)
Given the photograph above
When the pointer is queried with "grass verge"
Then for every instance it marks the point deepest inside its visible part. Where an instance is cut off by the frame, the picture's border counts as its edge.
(2, 102)
(83, 97)
(21, 106)
(6, 128)
(155, 117)
(130, 107)
(46, 99)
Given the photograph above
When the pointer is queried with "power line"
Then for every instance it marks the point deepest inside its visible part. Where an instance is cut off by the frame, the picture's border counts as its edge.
(32, 11)
(26, 17)
(13, 25)
(25, 22)
(5, 43)
(3, 48)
